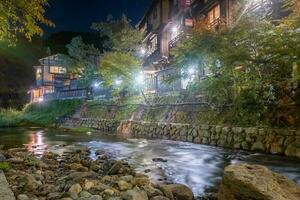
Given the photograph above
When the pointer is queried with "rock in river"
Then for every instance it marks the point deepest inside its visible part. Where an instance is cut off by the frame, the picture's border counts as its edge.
(257, 183)
(135, 194)
(178, 192)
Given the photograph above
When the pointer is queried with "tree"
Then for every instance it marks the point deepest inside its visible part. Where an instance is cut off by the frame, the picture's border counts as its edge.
(120, 66)
(122, 36)
(22, 17)
(81, 60)
(121, 61)
(251, 66)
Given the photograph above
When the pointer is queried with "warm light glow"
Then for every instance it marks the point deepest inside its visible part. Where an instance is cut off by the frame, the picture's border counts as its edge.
(36, 144)
(41, 99)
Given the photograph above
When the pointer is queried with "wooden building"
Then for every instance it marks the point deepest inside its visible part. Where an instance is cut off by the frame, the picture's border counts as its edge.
(164, 24)
(54, 82)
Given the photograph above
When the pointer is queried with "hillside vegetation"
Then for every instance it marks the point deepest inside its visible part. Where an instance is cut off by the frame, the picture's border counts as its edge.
(40, 114)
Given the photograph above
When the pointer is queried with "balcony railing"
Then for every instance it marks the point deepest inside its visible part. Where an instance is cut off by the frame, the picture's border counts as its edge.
(175, 40)
(68, 94)
(153, 57)
(217, 23)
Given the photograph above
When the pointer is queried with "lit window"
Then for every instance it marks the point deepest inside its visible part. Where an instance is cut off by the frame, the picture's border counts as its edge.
(58, 70)
(214, 14)
(38, 74)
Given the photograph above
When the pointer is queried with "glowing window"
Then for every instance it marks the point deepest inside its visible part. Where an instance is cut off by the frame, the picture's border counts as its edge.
(214, 14)
(38, 74)
(58, 70)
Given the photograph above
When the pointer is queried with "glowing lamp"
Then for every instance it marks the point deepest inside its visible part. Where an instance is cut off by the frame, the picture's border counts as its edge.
(143, 51)
(140, 78)
(191, 71)
(96, 85)
(118, 82)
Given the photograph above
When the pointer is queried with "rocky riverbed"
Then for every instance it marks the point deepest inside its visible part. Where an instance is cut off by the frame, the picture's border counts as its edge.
(74, 175)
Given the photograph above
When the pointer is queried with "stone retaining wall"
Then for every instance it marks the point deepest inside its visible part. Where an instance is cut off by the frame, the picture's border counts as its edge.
(275, 141)
(108, 125)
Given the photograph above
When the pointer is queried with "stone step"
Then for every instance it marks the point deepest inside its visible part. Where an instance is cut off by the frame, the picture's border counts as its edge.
(5, 191)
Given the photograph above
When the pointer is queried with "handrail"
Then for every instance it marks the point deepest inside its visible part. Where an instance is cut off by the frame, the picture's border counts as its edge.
(174, 41)
(217, 22)
(67, 94)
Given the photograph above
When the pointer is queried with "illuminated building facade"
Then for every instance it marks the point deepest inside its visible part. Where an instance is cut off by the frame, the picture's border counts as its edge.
(54, 82)
(164, 24)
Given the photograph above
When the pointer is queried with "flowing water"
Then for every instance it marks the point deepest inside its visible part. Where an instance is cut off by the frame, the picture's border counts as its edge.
(197, 166)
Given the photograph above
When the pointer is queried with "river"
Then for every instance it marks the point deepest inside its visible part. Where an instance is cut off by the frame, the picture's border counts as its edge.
(198, 166)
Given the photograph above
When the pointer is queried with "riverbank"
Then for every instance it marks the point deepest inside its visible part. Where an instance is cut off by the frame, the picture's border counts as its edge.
(74, 175)
(38, 114)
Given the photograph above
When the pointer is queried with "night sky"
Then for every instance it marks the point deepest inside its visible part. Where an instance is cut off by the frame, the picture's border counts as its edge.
(78, 15)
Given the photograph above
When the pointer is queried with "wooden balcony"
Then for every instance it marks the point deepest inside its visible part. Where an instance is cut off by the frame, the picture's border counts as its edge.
(153, 57)
(217, 24)
(175, 40)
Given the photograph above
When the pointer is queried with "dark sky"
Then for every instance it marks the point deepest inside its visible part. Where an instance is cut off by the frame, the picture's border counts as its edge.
(78, 15)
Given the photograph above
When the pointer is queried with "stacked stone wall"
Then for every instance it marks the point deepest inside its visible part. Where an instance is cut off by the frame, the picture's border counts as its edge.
(108, 125)
(275, 141)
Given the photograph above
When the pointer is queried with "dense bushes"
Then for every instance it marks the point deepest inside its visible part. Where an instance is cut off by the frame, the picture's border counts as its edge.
(42, 114)
(252, 68)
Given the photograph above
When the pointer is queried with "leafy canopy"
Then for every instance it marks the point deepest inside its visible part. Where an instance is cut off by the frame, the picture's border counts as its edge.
(122, 36)
(251, 64)
(119, 65)
(81, 60)
(22, 17)
(121, 61)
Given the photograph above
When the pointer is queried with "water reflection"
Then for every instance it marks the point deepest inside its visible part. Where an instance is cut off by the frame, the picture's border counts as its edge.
(198, 166)
(36, 144)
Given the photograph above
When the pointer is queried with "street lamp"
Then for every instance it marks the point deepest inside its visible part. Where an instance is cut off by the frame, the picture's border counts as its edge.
(118, 82)
(191, 71)
(143, 51)
(140, 79)
(96, 85)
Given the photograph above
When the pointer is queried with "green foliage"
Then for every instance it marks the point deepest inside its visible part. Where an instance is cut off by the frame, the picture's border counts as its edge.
(121, 62)
(251, 64)
(4, 166)
(42, 114)
(46, 113)
(22, 17)
(119, 65)
(81, 60)
(122, 36)
(31, 160)
(10, 117)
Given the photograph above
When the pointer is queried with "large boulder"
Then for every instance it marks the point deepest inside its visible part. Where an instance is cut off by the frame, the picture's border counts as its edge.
(178, 192)
(255, 182)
